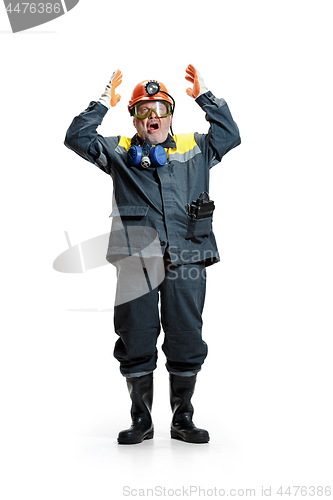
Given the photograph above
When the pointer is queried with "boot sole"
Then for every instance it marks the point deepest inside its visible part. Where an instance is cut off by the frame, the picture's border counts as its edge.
(180, 437)
(149, 435)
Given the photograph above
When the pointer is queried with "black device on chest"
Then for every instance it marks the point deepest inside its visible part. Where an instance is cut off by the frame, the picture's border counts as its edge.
(201, 207)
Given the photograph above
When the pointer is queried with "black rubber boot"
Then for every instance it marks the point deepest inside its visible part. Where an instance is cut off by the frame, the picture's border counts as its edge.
(141, 393)
(182, 427)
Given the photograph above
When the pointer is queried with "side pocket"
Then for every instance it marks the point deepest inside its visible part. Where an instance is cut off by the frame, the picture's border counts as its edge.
(198, 228)
(128, 229)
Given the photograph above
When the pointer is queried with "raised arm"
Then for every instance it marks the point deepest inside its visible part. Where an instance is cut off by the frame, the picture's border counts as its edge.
(223, 133)
(82, 136)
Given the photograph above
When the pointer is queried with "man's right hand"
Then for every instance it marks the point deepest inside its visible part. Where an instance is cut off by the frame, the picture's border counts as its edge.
(109, 97)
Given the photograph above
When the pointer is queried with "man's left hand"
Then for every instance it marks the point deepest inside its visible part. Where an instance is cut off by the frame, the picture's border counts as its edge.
(193, 76)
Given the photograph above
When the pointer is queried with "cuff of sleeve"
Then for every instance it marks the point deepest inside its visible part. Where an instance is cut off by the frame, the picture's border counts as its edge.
(105, 101)
(209, 98)
(98, 108)
(202, 98)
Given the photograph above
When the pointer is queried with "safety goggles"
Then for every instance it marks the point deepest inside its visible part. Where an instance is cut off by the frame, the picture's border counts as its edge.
(143, 109)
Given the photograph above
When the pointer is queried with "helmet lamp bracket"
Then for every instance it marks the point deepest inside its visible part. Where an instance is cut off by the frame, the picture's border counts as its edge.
(153, 87)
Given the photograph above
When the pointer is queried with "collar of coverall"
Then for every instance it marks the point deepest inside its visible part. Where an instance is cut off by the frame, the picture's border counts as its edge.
(168, 143)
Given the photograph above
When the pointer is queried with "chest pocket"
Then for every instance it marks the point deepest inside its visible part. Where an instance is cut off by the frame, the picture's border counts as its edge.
(128, 228)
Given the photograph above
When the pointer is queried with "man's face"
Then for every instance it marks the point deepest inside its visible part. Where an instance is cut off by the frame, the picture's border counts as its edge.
(152, 129)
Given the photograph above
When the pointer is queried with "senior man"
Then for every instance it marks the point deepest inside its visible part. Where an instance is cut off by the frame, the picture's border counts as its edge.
(161, 183)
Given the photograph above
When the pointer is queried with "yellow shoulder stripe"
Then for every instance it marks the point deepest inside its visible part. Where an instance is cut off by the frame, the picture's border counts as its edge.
(184, 143)
(125, 142)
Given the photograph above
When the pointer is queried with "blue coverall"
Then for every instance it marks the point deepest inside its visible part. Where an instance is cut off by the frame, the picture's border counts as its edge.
(157, 197)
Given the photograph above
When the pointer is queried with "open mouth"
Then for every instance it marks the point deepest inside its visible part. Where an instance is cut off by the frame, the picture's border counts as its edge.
(153, 126)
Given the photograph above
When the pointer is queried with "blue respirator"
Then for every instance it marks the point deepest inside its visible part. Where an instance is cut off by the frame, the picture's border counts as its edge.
(147, 156)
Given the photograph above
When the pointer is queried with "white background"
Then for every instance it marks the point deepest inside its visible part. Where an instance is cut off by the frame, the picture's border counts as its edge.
(265, 391)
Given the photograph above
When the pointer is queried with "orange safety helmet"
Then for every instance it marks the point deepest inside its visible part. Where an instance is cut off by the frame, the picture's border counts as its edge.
(150, 90)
